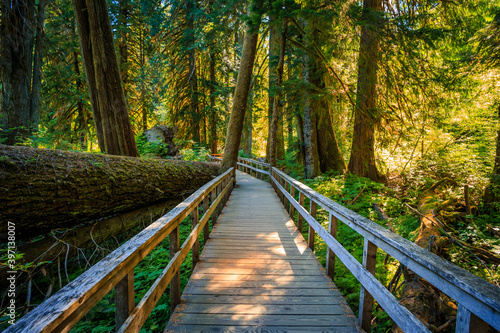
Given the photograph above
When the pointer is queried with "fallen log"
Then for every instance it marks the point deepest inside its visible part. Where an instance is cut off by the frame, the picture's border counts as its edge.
(42, 189)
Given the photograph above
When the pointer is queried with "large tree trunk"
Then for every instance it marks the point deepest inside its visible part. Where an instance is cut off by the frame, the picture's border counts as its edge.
(362, 161)
(274, 143)
(114, 131)
(43, 189)
(17, 32)
(246, 138)
(311, 159)
(330, 157)
(240, 98)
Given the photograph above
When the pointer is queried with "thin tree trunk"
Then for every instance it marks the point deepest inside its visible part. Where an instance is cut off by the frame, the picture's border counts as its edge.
(193, 78)
(213, 111)
(274, 128)
(81, 117)
(366, 119)
(300, 131)
(96, 42)
(491, 192)
(240, 98)
(36, 86)
(273, 63)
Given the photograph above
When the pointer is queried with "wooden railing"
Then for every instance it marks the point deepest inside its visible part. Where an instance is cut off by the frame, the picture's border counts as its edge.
(65, 308)
(478, 300)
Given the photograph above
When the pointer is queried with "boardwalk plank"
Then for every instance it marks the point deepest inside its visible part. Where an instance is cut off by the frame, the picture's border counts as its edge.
(256, 274)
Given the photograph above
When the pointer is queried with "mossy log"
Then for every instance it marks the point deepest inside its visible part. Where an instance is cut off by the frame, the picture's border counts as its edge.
(42, 189)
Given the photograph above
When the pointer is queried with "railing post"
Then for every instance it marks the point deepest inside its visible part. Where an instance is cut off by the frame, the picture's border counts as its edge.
(213, 195)
(469, 322)
(365, 299)
(175, 283)
(219, 191)
(292, 208)
(286, 187)
(124, 298)
(300, 219)
(311, 233)
(196, 245)
(206, 227)
(330, 255)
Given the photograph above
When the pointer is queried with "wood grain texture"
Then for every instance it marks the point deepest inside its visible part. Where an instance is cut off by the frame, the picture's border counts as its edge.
(257, 274)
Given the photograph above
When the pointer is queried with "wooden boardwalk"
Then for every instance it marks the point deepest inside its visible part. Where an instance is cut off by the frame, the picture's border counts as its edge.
(256, 274)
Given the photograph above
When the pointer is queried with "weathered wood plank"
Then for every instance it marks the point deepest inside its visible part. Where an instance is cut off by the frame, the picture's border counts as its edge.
(259, 309)
(253, 329)
(261, 320)
(263, 300)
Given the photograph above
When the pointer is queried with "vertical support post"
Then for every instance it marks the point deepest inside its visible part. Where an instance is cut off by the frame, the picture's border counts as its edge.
(175, 284)
(292, 208)
(196, 246)
(219, 191)
(206, 227)
(469, 322)
(124, 298)
(365, 299)
(330, 255)
(286, 187)
(311, 233)
(214, 214)
(301, 219)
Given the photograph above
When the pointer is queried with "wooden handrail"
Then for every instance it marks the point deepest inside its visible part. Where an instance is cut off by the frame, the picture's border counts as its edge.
(66, 307)
(475, 296)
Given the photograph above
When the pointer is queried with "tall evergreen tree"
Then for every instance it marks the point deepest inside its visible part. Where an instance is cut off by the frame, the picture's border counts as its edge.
(114, 131)
(367, 117)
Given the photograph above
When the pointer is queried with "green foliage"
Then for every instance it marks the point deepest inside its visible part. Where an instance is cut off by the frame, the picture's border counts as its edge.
(147, 148)
(196, 153)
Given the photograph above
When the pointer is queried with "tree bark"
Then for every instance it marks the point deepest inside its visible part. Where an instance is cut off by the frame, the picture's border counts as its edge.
(213, 111)
(362, 160)
(273, 64)
(17, 32)
(311, 159)
(246, 138)
(274, 143)
(329, 155)
(114, 131)
(43, 189)
(240, 98)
